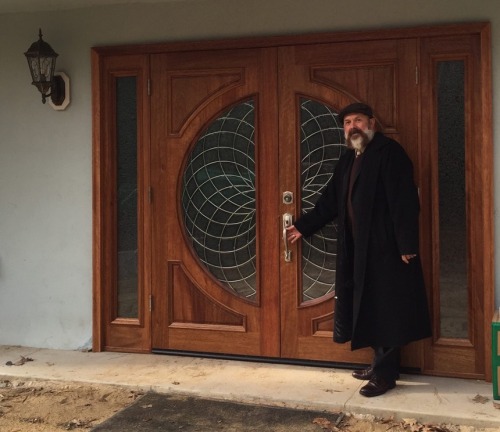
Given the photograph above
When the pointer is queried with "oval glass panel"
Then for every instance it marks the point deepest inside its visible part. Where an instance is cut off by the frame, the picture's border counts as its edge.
(218, 199)
(321, 145)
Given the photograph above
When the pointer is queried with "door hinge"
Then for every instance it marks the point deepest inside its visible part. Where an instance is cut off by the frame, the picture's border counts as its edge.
(149, 87)
(150, 303)
(150, 195)
(416, 75)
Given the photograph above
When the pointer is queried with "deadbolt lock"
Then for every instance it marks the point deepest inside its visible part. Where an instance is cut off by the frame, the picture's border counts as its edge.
(287, 197)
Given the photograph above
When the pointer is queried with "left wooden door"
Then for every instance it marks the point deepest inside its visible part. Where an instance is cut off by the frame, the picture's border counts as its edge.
(215, 278)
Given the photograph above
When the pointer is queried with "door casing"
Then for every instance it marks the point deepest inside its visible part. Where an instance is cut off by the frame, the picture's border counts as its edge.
(111, 332)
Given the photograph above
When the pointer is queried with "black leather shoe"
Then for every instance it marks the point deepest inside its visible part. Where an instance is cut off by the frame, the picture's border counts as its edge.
(377, 386)
(363, 374)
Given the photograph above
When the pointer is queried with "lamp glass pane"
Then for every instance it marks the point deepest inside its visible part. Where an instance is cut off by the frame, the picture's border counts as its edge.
(46, 68)
(34, 68)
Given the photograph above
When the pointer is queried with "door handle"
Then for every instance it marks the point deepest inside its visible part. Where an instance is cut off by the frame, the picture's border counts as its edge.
(287, 221)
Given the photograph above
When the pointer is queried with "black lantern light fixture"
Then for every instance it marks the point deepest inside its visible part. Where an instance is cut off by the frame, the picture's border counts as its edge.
(42, 63)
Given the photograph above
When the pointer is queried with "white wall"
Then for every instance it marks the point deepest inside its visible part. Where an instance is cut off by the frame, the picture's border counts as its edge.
(45, 156)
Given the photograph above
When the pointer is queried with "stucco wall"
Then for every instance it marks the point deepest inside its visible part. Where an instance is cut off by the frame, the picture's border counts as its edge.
(45, 156)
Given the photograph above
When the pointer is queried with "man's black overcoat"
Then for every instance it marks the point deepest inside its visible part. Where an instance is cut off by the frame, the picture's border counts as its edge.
(380, 300)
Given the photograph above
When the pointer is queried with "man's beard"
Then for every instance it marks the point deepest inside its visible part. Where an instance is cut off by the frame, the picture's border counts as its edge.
(360, 140)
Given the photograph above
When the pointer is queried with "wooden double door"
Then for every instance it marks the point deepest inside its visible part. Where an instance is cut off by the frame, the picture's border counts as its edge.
(242, 143)
(203, 152)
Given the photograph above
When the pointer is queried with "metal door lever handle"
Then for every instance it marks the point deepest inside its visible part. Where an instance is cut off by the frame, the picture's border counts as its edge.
(288, 252)
(287, 221)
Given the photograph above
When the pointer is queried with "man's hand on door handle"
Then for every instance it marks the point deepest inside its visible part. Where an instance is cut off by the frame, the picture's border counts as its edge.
(293, 234)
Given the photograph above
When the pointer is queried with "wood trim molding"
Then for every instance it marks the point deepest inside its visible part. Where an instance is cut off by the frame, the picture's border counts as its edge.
(487, 173)
(310, 38)
(97, 216)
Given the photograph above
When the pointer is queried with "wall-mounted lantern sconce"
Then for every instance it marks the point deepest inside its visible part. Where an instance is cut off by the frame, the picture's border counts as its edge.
(42, 63)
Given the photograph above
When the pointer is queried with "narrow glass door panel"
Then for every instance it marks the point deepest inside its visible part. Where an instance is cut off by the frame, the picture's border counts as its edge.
(126, 181)
(218, 200)
(452, 214)
(321, 145)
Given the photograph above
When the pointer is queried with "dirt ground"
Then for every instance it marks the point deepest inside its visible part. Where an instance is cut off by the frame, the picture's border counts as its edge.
(45, 406)
(37, 406)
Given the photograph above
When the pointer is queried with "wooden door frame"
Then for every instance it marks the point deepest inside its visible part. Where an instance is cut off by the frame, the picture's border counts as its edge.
(484, 162)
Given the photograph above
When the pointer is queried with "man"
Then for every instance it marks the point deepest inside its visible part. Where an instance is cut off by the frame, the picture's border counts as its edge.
(380, 295)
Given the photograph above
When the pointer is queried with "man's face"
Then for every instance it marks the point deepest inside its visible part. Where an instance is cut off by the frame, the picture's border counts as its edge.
(358, 130)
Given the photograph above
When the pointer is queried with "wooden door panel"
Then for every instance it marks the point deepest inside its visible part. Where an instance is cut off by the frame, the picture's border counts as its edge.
(189, 93)
(193, 310)
(192, 306)
(380, 72)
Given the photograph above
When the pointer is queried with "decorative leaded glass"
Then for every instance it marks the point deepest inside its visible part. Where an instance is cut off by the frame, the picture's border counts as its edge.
(321, 145)
(218, 199)
(452, 205)
(126, 213)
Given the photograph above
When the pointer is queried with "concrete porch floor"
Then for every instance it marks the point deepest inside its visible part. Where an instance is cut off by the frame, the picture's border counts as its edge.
(427, 399)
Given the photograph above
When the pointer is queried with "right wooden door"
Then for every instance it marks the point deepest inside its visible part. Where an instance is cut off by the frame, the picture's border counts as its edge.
(315, 82)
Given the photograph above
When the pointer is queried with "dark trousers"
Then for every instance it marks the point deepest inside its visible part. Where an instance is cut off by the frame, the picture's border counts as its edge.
(386, 362)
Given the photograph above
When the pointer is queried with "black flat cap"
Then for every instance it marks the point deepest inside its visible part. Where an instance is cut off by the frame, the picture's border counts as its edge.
(355, 108)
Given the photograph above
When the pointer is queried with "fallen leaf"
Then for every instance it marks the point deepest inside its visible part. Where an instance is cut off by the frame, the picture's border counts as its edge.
(32, 420)
(322, 421)
(412, 424)
(480, 399)
(325, 424)
(75, 423)
(340, 419)
(20, 362)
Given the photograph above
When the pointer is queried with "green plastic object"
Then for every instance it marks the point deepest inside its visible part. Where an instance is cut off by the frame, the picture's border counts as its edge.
(495, 348)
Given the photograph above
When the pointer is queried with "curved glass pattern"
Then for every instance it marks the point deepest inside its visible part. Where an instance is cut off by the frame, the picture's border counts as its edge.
(321, 145)
(218, 199)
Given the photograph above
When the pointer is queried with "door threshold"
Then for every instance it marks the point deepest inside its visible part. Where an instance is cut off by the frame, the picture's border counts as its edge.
(272, 360)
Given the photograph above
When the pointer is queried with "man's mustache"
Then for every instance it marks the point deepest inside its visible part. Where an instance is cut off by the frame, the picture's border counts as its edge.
(355, 131)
